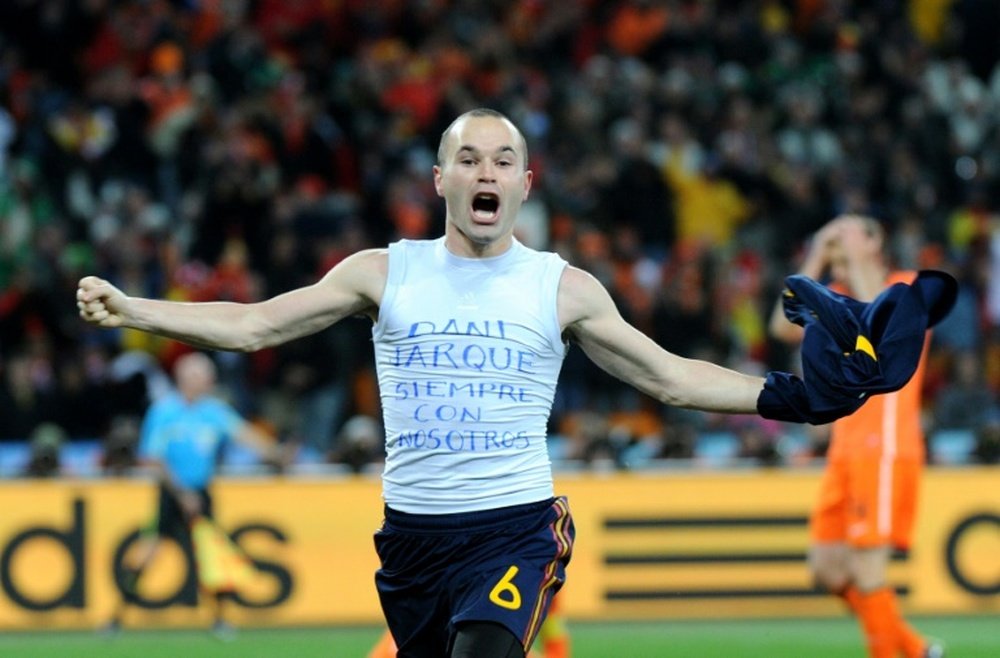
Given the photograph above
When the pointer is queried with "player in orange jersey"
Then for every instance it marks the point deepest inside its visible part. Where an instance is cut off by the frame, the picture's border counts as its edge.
(867, 499)
(385, 647)
(553, 637)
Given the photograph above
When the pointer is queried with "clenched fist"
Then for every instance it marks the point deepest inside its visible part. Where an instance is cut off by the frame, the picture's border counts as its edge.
(100, 302)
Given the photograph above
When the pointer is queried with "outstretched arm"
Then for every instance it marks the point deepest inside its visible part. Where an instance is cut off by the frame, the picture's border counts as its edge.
(280, 455)
(354, 286)
(589, 316)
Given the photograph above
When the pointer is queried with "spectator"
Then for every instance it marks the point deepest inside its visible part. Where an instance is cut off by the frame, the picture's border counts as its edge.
(965, 402)
(360, 444)
(46, 443)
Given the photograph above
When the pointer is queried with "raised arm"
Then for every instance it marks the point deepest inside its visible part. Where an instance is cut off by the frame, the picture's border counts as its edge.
(849, 249)
(816, 263)
(589, 316)
(354, 286)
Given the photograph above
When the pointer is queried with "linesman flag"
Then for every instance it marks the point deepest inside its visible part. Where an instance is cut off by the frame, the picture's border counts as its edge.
(222, 565)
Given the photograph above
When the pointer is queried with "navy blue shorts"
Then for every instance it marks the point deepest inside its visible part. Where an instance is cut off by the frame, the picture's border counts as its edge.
(501, 566)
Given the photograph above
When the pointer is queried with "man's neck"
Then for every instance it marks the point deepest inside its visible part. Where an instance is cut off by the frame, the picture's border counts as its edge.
(460, 245)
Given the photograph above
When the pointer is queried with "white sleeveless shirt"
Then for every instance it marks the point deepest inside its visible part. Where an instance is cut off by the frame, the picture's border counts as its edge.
(468, 352)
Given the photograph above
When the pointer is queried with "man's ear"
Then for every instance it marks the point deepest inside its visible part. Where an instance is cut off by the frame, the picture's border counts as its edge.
(528, 177)
(437, 181)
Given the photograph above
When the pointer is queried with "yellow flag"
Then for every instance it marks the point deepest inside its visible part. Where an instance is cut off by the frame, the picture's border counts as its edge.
(222, 565)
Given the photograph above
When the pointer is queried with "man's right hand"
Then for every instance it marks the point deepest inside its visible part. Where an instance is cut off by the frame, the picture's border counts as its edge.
(190, 503)
(821, 249)
(101, 303)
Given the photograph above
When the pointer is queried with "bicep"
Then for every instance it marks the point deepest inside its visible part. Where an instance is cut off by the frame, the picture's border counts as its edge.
(592, 320)
(353, 286)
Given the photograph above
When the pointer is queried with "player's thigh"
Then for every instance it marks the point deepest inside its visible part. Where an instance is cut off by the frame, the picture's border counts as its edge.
(882, 501)
(906, 489)
(411, 585)
(485, 640)
(828, 520)
(869, 567)
(829, 563)
(171, 521)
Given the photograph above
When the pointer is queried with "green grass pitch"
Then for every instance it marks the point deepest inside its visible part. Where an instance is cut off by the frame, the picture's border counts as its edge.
(966, 637)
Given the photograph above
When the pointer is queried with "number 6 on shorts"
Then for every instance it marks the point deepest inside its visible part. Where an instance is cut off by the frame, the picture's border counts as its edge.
(505, 594)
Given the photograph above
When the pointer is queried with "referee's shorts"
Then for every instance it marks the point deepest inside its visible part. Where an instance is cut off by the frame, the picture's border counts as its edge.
(170, 518)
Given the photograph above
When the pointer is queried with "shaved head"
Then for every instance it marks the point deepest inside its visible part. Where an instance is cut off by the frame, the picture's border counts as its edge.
(481, 112)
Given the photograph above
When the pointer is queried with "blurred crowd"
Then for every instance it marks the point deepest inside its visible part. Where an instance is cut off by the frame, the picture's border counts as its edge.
(684, 154)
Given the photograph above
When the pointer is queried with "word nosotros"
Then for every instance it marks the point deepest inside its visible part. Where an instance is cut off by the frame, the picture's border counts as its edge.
(463, 440)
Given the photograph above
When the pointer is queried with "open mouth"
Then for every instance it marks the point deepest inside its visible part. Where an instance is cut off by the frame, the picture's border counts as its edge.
(485, 206)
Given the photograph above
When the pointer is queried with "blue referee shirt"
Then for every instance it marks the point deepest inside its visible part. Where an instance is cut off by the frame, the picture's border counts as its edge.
(186, 437)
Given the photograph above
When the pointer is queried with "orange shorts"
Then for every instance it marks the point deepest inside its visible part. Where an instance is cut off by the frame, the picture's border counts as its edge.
(867, 502)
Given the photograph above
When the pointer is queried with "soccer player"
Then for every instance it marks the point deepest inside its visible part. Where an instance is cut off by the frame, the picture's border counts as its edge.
(470, 331)
(180, 439)
(867, 498)
(553, 636)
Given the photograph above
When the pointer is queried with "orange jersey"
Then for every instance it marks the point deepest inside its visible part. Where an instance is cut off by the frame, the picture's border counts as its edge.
(868, 493)
(887, 423)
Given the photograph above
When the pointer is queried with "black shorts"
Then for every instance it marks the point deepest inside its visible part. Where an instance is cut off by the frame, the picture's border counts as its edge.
(501, 566)
(171, 521)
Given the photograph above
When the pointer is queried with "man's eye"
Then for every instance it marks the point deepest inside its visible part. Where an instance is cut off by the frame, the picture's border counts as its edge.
(504, 163)
(467, 161)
